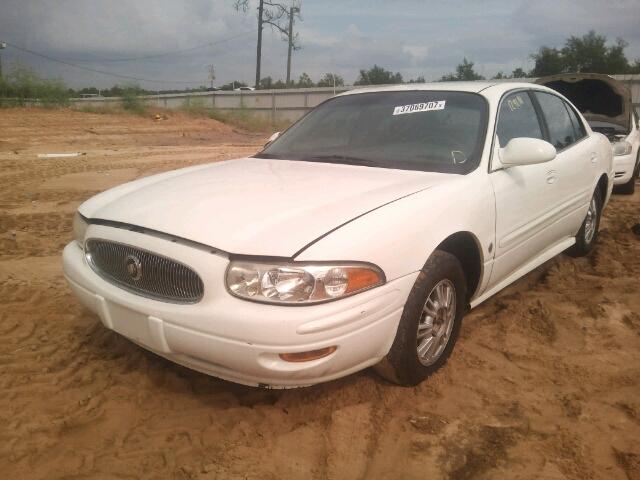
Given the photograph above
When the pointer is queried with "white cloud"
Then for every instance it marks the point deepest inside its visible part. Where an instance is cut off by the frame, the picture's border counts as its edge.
(418, 53)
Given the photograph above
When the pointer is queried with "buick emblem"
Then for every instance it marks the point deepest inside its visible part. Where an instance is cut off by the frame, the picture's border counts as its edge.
(133, 267)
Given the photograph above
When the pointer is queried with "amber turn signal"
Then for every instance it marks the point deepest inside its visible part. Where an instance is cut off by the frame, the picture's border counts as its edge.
(308, 356)
(361, 279)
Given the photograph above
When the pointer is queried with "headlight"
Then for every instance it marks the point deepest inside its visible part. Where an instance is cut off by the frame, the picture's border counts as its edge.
(300, 283)
(80, 225)
(621, 148)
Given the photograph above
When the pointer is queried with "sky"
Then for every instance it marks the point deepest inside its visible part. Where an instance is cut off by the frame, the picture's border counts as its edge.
(414, 37)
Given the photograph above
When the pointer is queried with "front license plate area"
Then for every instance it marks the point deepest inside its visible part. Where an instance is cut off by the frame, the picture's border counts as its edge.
(131, 324)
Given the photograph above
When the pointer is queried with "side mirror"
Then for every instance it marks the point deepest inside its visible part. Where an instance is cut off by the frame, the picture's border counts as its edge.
(526, 151)
(272, 138)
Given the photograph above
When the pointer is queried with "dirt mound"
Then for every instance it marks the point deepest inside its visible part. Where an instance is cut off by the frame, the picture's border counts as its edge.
(544, 382)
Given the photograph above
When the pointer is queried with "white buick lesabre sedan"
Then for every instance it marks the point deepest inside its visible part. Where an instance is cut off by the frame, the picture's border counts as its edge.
(358, 237)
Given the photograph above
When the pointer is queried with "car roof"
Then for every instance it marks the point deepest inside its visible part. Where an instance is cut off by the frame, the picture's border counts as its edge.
(486, 88)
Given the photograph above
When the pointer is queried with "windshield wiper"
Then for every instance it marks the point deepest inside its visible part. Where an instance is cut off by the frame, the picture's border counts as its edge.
(267, 155)
(345, 159)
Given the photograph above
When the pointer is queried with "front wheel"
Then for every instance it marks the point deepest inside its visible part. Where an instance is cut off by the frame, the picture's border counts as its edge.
(588, 233)
(430, 322)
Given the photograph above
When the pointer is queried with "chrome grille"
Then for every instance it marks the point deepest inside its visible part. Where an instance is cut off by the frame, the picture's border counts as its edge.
(144, 273)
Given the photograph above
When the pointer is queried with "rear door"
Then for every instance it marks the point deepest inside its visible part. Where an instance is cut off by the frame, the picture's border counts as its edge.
(575, 163)
(524, 194)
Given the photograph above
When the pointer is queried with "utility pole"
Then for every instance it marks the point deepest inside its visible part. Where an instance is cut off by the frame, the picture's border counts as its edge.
(270, 12)
(2, 47)
(259, 49)
(212, 75)
(290, 38)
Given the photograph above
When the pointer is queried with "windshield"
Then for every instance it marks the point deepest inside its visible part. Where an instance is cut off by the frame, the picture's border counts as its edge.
(432, 131)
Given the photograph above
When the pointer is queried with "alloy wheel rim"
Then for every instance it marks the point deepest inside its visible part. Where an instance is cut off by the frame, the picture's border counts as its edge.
(590, 221)
(436, 322)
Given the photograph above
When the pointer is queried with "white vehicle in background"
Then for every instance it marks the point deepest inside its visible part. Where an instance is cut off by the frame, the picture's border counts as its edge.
(244, 89)
(607, 105)
(359, 237)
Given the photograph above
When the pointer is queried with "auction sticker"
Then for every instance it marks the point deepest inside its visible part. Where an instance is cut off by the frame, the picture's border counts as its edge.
(419, 107)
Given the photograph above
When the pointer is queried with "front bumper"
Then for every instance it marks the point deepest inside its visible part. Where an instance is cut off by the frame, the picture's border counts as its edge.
(623, 167)
(235, 339)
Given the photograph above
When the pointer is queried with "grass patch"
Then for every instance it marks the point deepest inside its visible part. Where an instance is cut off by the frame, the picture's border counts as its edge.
(22, 86)
(132, 102)
(100, 109)
(242, 118)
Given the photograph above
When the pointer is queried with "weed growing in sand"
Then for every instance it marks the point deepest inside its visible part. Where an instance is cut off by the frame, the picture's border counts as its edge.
(100, 109)
(132, 101)
(242, 118)
(245, 119)
(194, 107)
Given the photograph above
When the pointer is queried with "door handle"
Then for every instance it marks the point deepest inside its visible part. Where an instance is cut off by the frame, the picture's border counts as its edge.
(594, 158)
(552, 176)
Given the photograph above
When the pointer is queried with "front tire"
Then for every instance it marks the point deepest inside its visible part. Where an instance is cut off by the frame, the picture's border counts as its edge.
(588, 233)
(430, 322)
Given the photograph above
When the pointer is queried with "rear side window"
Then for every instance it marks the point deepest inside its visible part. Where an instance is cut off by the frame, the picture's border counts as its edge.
(561, 132)
(517, 118)
(578, 126)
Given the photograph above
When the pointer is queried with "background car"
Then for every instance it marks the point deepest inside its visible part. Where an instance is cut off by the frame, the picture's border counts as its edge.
(607, 105)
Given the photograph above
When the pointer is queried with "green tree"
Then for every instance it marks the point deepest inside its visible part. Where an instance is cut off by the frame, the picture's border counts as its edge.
(518, 73)
(266, 83)
(89, 90)
(304, 81)
(329, 78)
(22, 84)
(378, 76)
(548, 61)
(418, 79)
(464, 71)
(588, 53)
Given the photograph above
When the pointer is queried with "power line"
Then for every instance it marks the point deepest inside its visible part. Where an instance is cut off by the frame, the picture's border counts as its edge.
(95, 70)
(124, 76)
(164, 54)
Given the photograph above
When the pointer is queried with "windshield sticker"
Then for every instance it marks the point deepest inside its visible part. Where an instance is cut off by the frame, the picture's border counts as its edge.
(419, 107)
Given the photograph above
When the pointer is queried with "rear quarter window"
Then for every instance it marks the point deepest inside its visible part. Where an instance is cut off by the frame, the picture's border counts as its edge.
(578, 126)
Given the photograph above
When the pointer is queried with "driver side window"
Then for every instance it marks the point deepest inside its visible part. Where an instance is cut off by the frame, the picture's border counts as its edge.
(517, 118)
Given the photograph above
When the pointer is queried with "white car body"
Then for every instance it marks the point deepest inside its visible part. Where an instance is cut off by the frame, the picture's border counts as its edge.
(589, 100)
(625, 166)
(518, 217)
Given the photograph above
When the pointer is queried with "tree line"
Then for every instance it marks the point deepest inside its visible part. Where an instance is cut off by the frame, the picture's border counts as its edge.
(588, 53)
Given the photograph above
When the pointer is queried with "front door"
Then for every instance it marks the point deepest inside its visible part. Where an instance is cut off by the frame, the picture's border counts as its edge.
(525, 195)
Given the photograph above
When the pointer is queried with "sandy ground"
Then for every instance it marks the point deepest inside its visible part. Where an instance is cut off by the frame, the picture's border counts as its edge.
(544, 382)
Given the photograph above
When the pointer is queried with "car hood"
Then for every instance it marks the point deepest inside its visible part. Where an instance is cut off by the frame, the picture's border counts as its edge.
(599, 97)
(256, 206)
